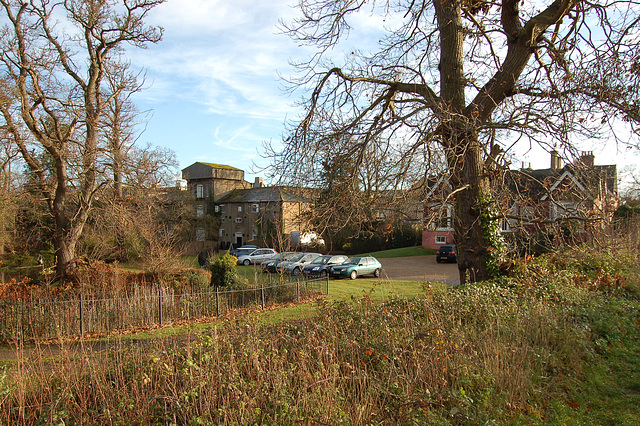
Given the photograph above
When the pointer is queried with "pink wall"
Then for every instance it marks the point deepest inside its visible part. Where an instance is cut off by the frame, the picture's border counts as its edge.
(429, 238)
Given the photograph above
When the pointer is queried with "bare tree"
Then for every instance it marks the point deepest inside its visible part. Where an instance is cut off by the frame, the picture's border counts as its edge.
(120, 122)
(53, 100)
(462, 80)
(8, 206)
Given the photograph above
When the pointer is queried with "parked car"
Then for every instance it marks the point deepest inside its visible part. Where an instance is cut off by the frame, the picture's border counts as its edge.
(257, 256)
(320, 266)
(241, 251)
(448, 253)
(294, 265)
(357, 266)
(247, 248)
(271, 265)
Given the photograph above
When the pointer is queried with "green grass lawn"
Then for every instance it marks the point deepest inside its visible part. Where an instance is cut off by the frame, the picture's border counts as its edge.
(378, 290)
(401, 252)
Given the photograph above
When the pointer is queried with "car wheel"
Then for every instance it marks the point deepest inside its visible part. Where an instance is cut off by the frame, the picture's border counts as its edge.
(296, 272)
(246, 262)
(323, 274)
(353, 275)
(376, 273)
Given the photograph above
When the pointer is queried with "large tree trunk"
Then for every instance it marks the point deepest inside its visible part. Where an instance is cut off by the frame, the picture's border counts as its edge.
(460, 141)
(472, 183)
(65, 253)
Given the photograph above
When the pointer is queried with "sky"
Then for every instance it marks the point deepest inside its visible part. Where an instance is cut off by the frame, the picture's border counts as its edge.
(213, 83)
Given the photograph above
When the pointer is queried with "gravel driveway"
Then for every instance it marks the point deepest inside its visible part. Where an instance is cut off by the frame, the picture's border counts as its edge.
(423, 268)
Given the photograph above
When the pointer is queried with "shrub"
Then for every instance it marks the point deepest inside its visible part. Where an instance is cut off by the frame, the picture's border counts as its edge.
(402, 235)
(224, 272)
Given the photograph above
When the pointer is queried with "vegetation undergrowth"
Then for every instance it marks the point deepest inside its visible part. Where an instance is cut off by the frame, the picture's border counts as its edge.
(557, 342)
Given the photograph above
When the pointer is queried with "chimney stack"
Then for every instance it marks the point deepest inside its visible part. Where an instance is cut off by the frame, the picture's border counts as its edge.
(258, 183)
(587, 158)
(555, 160)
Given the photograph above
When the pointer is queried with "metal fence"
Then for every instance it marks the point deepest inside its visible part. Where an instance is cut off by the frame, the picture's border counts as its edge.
(38, 318)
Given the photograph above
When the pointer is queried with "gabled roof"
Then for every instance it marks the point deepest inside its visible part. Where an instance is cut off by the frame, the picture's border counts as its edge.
(261, 195)
(539, 183)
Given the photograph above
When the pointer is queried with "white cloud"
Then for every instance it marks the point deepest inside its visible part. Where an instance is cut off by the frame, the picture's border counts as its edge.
(222, 55)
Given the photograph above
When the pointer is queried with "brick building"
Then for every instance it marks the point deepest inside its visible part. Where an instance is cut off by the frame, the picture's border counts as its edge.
(570, 202)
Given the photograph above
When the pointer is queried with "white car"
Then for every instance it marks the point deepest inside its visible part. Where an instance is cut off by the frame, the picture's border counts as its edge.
(256, 256)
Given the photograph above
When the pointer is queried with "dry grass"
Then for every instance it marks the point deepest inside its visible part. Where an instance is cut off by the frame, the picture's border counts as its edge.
(500, 352)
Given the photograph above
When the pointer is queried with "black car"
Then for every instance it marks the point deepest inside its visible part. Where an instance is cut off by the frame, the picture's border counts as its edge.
(448, 253)
(320, 266)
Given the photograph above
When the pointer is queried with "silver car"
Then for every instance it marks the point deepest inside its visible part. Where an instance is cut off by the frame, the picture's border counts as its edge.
(257, 256)
(271, 265)
(294, 265)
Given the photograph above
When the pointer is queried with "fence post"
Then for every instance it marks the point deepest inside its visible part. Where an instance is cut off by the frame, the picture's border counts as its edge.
(160, 305)
(217, 302)
(81, 318)
(262, 294)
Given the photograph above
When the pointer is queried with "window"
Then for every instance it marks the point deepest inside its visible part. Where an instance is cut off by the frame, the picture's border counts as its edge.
(199, 191)
(239, 209)
(504, 225)
(200, 234)
(222, 209)
(443, 218)
(200, 211)
(222, 232)
(441, 239)
(216, 209)
(255, 208)
(238, 220)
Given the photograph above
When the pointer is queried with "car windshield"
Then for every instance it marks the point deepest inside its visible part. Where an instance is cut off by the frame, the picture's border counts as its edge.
(296, 257)
(352, 261)
(322, 260)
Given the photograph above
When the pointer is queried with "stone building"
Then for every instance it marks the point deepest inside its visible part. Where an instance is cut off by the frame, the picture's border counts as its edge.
(266, 215)
(228, 210)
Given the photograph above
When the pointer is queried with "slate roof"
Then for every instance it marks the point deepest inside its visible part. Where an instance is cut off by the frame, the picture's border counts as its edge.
(260, 195)
(537, 183)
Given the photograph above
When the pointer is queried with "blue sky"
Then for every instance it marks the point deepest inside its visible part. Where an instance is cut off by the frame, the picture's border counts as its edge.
(213, 82)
